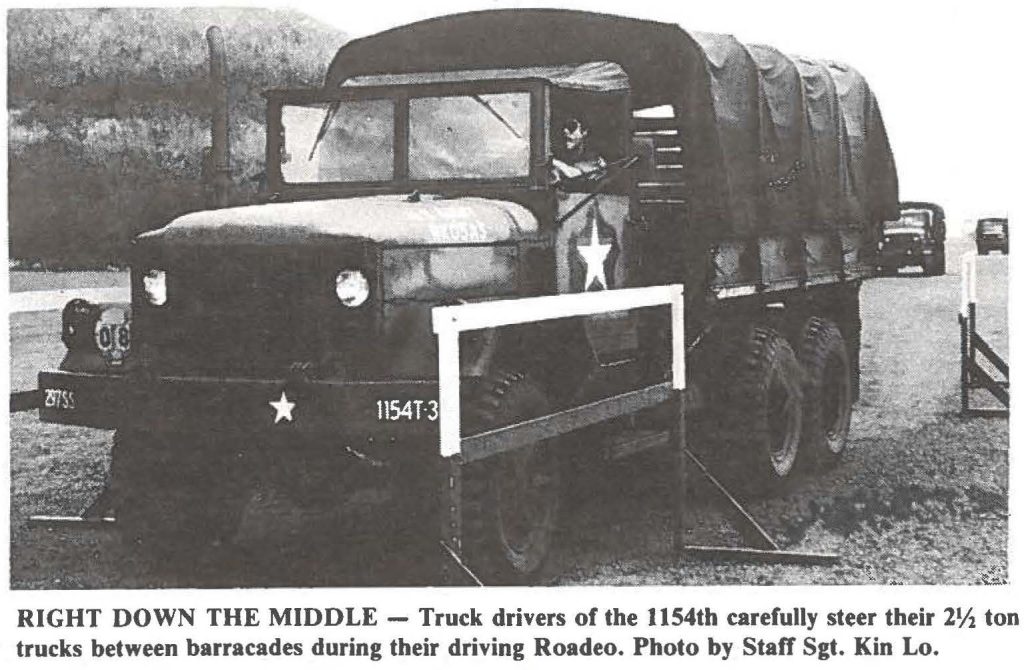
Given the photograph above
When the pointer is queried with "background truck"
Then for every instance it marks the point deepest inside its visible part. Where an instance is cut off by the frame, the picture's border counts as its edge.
(992, 234)
(917, 238)
(290, 342)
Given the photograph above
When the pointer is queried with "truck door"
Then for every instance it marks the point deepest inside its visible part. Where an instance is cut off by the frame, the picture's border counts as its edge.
(592, 248)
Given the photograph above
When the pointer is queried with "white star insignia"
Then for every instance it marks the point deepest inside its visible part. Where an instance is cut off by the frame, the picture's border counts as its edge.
(594, 255)
(283, 407)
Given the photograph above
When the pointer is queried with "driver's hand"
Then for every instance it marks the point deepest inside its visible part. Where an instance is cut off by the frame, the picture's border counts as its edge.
(564, 170)
(594, 169)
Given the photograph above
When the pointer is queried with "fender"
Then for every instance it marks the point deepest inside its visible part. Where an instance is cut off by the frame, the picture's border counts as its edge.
(559, 355)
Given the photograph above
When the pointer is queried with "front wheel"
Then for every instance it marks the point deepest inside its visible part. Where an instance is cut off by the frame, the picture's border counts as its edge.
(177, 493)
(511, 501)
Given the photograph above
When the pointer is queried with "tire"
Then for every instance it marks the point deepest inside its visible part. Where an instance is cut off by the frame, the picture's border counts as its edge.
(935, 265)
(511, 501)
(828, 393)
(174, 498)
(764, 411)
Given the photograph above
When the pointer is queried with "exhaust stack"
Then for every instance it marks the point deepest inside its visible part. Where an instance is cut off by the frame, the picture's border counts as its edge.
(220, 150)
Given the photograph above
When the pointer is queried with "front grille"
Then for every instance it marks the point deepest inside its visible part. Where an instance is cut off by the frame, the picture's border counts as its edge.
(902, 241)
(251, 315)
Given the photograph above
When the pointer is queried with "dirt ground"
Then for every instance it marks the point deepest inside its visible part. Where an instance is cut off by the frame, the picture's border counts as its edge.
(920, 497)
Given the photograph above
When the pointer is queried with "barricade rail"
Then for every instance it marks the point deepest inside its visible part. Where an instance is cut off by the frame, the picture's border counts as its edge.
(450, 321)
(972, 374)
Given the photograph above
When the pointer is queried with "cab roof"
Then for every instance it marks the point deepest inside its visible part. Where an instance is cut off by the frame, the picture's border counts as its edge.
(650, 53)
(596, 77)
(936, 210)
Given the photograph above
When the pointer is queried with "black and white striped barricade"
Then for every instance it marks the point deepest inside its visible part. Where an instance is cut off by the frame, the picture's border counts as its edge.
(972, 374)
(457, 450)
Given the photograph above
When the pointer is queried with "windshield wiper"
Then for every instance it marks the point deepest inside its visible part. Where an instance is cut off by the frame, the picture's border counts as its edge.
(497, 115)
(320, 134)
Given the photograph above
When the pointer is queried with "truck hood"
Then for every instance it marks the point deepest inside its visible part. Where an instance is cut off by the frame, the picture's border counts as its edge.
(387, 219)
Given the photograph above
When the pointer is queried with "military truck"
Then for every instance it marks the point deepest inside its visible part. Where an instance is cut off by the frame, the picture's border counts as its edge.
(916, 238)
(290, 342)
(992, 234)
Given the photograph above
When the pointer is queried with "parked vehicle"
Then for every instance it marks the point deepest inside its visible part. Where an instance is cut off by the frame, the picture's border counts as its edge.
(992, 234)
(290, 342)
(917, 238)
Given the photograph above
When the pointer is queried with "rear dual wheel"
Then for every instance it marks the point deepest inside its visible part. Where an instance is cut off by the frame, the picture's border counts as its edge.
(785, 408)
(828, 392)
(763, 411)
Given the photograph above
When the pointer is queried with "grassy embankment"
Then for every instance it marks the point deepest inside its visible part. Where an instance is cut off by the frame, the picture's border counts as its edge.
(109, 118)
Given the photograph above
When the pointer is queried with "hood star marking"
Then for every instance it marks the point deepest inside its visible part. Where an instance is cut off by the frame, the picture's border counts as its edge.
(594, 256)
(283, 407)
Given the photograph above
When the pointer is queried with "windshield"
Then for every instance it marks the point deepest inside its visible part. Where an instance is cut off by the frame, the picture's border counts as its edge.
(992, 226)
(470, 136)
(348, 141)
(909, 222)
(485, 136)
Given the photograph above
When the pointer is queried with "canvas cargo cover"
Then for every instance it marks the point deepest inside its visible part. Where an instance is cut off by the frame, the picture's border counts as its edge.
(764, 154)
(786, 168)
(733, 78)
(872, 168)
(829, 157)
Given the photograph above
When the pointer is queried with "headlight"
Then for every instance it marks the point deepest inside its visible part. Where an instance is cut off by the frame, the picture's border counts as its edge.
(154, 282)
(77, 322)
(351, 288)
(881, 245)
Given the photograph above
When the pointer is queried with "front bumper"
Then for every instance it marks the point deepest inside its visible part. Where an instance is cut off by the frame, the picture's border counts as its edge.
(896, 257)
(267, 409)
(986, 245)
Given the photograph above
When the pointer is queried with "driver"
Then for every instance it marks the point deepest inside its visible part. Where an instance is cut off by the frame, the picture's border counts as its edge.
(575, 158)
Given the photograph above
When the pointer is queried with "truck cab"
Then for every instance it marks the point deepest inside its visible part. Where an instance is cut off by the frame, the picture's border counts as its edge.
(917, 238)
(410, 191)
(992, 234)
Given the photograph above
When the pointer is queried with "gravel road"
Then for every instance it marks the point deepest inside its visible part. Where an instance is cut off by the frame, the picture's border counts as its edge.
(921, 496)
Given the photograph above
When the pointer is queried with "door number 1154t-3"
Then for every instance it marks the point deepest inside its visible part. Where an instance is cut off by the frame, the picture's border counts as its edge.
(407, 410)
